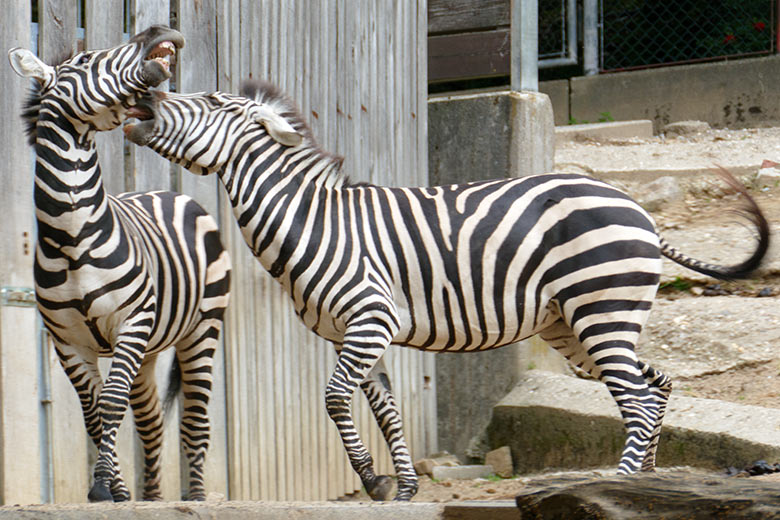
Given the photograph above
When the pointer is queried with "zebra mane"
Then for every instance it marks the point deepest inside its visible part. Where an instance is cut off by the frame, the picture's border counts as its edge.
(269, 94)
(31, 107)
(30, 110)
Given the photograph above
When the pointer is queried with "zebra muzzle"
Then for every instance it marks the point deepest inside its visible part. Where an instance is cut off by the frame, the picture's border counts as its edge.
(140, 133)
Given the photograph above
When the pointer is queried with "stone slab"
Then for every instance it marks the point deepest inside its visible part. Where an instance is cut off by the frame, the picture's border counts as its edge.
(228, 510)
(467, 472)
(608, 131)
(552, 421)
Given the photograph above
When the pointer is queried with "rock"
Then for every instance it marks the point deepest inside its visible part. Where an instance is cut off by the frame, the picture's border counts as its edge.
(651, 496)
(462, 472)
(686, 128)
(653, 195)
(425, 466)
(768, 175)
(552, 421)
(501, 460)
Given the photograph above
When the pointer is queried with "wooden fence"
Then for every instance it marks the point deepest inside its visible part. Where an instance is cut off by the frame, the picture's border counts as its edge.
(357, 69)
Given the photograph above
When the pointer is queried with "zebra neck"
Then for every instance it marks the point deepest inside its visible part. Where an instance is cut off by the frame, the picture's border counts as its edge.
(270, 194)
(70, 201)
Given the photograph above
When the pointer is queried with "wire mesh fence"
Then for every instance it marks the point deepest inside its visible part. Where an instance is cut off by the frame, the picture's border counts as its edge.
(645, 33)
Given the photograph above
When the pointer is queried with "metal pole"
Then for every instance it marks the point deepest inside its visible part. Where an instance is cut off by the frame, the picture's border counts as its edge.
(525, 45)
(590, 37)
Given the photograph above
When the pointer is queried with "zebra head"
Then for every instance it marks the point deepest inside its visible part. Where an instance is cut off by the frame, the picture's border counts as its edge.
(199, 131)
(95, 88)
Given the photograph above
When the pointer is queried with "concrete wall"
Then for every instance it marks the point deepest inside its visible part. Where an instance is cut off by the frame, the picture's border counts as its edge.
(474, 137)
(734, 94)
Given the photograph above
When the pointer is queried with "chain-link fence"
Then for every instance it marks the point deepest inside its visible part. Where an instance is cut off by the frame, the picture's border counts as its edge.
(644, 33)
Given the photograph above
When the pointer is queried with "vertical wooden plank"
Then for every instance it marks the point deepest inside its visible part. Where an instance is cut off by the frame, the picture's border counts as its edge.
(19, 482)
(147, 170)
(70, 468)
(56, 37)
(196, 71)
(103, 20)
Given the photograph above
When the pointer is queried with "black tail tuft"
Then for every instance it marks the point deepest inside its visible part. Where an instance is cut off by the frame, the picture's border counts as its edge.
(749, 211)
(174, 386)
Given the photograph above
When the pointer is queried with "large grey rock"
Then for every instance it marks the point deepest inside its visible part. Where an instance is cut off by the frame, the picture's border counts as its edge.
(555, 421)
(653, 195)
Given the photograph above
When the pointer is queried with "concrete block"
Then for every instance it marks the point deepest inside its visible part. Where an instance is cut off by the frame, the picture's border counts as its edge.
(555, 421)
(558, 92)
(462, 472)
(611, 131)
(501, 460)
(489, 135)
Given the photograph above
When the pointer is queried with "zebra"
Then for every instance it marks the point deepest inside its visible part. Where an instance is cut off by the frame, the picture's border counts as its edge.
(459, 268)
(122, 277)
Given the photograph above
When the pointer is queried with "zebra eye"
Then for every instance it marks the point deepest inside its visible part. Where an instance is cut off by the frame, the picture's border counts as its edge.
(83, 59)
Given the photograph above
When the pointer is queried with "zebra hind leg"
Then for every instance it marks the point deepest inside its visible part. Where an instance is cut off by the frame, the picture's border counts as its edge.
(661, 388)
(377, 390)
(195, 355)
(614, 363)
(149, 424)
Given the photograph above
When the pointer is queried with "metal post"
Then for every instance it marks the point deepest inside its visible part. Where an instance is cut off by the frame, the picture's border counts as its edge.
(590, 36)
(525, 45)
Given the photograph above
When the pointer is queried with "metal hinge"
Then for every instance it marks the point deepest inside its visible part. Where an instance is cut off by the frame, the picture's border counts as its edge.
(17, 296)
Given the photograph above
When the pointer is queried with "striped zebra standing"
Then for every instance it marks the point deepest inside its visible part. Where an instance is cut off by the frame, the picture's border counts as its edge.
(447, 269)
(122, 277)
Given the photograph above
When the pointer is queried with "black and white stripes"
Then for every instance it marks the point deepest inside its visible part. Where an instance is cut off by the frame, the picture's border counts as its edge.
(452, 268)
(122, 277)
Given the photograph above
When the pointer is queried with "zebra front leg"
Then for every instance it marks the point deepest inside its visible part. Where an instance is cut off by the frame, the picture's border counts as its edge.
(147, 413)
(84, 375)
(365, 341)
(377, 390)
(113, 401)
(195, 355)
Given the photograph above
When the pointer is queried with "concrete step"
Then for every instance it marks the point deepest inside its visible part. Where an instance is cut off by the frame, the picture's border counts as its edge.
(613, 130)
(553, 421)
(228, 510)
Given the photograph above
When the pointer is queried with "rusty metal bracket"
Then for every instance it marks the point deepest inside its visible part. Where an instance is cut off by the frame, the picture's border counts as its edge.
(17, 296)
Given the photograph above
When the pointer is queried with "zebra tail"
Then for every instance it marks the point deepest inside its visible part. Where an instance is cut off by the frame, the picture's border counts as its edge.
(174, 386)
(749, 211)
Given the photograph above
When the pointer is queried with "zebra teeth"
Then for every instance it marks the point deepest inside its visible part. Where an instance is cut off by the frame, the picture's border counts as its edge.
(161, 53)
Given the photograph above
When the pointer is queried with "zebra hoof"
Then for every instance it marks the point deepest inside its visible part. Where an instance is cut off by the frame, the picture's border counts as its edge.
(380, 488)
(100, 493)
(406, 490)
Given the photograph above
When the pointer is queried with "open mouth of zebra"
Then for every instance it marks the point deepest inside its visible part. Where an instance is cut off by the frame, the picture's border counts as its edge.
(143, 111)
(162, 54)
(158, 61)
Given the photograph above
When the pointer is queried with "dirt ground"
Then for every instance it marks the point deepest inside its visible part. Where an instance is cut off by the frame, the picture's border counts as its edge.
(736, 357)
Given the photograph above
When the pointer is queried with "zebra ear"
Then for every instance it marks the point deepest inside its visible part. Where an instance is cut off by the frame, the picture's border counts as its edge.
(277, 126)
(27, 65)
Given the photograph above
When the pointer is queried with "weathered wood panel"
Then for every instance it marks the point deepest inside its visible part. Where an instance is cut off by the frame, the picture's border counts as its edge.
(447, 16)
(20, 453)
(103, 21)
(357, 70)
(148, 171)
